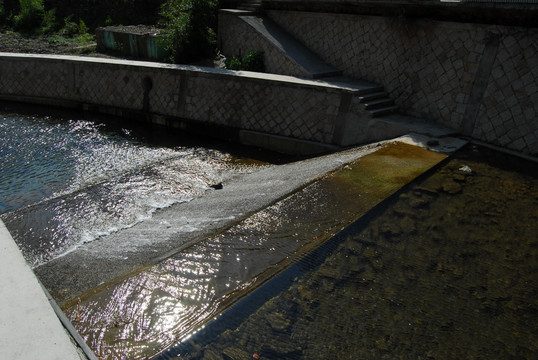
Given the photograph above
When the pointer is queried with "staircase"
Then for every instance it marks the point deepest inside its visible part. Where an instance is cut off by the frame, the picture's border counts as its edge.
(367, 114)
(375, 100)
(378, 104)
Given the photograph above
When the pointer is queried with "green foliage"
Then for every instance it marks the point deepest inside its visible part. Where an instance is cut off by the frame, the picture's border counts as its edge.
(49, 24)
(31, 15)
(72, 28)
(251, 62)
(189, 26)
(233, 64)
(108, 21)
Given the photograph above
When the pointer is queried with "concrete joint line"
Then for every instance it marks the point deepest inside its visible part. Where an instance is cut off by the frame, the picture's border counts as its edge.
(480, 83)
(147, 85)
(182, 94)
(343, 110)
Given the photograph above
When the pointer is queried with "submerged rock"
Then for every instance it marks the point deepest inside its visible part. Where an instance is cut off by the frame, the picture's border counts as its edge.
(451, 187)
(278, 321)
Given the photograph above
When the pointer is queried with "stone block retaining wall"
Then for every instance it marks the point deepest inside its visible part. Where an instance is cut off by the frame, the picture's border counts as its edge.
(480, 79)
(266, 103)
(237, 38)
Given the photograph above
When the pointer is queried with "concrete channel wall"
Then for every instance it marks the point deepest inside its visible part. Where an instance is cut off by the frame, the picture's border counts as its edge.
(169, 94)
(481, 79)
(29, 327)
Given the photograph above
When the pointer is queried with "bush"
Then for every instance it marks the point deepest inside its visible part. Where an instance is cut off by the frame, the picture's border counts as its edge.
(189, 26)
(72, 28)
(251, 62)
(49, 24)
(31, 15)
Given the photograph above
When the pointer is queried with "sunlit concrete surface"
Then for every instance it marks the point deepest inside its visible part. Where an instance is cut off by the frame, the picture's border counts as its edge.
(29, 327)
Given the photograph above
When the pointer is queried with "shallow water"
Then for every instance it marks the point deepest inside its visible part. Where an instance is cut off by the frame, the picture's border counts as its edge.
(447, 270)
(162, 305)
(67, 181)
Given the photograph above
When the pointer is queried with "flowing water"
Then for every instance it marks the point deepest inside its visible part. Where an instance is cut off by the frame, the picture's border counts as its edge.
(66, 182)
(164, 304)
(446, 270)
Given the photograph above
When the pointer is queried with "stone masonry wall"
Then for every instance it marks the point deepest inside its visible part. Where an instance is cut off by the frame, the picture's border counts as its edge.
(236, 35)
(267, 103)
(480, 79)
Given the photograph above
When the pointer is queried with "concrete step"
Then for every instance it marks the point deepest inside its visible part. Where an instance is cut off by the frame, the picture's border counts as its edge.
(373, 96)
(386, 110)
(378, 103)
(313, 65)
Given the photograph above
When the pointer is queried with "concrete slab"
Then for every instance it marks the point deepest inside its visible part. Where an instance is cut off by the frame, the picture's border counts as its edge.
(416, 125)
(29, 327)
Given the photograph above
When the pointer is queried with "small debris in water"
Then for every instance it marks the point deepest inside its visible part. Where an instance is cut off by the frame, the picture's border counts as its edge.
(466, 169)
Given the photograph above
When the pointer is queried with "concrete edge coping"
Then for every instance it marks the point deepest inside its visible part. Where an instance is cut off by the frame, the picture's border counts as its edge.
(29, 327)
(236, 12)
(284, 80)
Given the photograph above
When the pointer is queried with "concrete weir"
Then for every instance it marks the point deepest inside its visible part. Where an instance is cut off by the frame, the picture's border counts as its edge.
(90, 270)
(278, 112)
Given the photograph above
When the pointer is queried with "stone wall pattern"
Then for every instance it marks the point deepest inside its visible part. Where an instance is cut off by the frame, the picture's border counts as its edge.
(237, 38)
(441, 71)
(288, 107)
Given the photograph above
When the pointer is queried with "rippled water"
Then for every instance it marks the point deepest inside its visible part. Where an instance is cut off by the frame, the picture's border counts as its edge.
(65, 182)
(162, 305)
(447, 270)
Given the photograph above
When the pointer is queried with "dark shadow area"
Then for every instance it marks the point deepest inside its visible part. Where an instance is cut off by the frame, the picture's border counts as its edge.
(196, 135)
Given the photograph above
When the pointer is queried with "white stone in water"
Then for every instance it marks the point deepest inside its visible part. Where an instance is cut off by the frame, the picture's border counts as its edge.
(466, 169)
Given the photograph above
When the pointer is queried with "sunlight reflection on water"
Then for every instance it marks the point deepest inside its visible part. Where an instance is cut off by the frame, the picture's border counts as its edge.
(66, 183)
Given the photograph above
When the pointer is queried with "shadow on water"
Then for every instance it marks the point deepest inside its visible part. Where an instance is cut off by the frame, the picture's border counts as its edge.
(209, 137)
(444, 269)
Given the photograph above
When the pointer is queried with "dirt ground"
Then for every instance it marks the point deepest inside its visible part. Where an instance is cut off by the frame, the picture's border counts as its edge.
(52, 44)
(39, 44)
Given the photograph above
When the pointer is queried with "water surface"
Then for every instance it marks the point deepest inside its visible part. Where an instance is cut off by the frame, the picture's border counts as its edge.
(68, 181)
(162, 305)
(448, 270)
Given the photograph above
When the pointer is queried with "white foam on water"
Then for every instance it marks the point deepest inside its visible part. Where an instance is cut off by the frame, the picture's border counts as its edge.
(90, 183)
